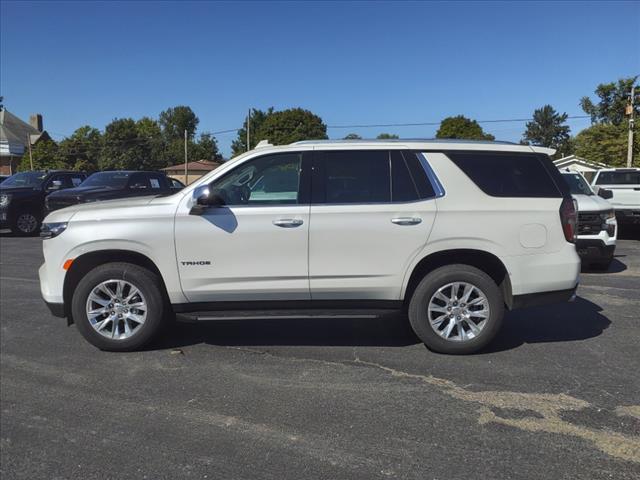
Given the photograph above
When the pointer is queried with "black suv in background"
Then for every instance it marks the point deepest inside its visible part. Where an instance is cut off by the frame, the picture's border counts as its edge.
(112, 185)
(22, 197)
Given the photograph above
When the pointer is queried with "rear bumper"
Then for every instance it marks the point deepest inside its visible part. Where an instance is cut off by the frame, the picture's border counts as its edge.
(594, 250)
(544, 298)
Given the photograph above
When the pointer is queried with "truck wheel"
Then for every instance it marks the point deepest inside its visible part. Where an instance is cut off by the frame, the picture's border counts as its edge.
(456, 309)
(26, 223)
(118, 306)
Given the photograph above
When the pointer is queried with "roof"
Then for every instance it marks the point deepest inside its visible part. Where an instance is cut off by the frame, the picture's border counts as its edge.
(418, 144)
(405, 140)
(575, 160)
(14, 132)
(199, 165)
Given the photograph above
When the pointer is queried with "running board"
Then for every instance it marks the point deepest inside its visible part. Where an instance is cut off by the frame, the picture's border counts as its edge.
(277, 315)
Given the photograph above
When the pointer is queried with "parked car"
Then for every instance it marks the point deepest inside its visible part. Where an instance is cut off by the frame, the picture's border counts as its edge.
(112, 185)
(3, 178)
(597, 226)
(624, 183)
(22, 197)
(453, 233)
(176, 184)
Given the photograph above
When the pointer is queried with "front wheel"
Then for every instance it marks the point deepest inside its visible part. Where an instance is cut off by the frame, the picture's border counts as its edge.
(118, 306)
(26, 223)
(456, 309)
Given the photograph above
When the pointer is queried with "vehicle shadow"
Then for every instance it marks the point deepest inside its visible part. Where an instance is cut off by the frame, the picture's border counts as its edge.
(616, 267)
(564, 322)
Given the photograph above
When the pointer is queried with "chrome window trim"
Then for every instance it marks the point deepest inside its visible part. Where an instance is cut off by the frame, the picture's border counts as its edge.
(431, 175)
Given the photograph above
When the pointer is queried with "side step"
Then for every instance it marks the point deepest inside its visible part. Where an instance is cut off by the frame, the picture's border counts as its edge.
(297, 314)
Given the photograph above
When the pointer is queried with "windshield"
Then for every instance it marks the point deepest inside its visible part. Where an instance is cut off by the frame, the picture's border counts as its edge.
(577, 184)
(619, 178)
(107, 179)
(25, 180)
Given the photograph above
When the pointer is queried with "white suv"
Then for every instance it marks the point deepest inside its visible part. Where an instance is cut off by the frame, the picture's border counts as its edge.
(452, 233)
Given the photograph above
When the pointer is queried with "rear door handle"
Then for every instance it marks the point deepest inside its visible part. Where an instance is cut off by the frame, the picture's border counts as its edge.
(406, 220)
(288, 222)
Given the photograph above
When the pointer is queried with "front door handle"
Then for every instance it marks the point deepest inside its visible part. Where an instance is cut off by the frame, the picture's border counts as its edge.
(406, 220)
(288, 222)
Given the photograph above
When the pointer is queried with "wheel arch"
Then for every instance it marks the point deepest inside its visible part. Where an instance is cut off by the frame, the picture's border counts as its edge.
(481, 259)
(88, 261)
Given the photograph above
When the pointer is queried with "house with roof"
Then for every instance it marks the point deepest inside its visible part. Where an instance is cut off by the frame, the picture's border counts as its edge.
(581, 165)
(194, 170)
(15, 138)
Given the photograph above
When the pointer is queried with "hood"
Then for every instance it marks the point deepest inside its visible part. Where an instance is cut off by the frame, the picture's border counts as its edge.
(97, 210)
(592, 203)
(81, 191)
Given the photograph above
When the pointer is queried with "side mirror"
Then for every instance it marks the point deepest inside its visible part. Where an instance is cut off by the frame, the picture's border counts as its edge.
(204, 197)
(605, 193)
(55, 185)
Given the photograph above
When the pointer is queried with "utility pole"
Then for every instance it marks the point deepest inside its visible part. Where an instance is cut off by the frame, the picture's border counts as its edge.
(630, 112)
(249, 130)
(30, 154)
(186, 170)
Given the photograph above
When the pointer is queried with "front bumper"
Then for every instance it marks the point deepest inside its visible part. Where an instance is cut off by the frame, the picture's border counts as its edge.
(594, 249)
(57, 309)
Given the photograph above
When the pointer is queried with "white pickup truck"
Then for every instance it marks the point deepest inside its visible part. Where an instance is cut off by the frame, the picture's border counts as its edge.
(624, 183)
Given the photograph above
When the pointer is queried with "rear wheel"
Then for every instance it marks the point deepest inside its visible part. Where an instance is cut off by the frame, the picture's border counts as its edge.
(26, 223)
(118, 306)
(456, 309)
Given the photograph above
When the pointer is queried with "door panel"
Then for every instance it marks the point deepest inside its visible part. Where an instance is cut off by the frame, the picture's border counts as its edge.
(250, 258)
(368, 222)
(358, 252)
(255, 247)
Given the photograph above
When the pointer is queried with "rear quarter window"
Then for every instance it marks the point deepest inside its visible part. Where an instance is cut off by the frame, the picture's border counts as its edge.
(509, 174)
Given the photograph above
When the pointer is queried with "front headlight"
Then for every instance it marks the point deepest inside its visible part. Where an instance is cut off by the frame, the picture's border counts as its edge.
(608, 215)
(51, 230)
(5, 200)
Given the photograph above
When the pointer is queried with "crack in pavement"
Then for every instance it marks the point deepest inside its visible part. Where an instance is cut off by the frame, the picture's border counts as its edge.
(547, 406)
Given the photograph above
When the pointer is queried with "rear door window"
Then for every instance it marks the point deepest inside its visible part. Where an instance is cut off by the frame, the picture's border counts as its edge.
(508, 174)
(619, 178)
(352, 176)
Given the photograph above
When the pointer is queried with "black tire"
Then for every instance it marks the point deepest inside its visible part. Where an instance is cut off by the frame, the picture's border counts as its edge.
(26, 223)
(145, 281)
(418, 308)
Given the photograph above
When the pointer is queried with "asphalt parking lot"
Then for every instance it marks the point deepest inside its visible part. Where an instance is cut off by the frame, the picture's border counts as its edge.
(556, 396)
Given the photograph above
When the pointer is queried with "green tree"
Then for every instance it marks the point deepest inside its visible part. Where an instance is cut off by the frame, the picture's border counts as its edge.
(605, 143)
(548, 129)
(46, 156)
(150, 135)
(206, 148)
(613, 98)
(291, 125)
(387, 136)
(463, 128)
(174, 121)
(82, 149)
(352, 136)
(239, 145)
(124, 147)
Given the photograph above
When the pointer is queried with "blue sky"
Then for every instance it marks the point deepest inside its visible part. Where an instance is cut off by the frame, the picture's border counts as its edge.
(351, 63)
